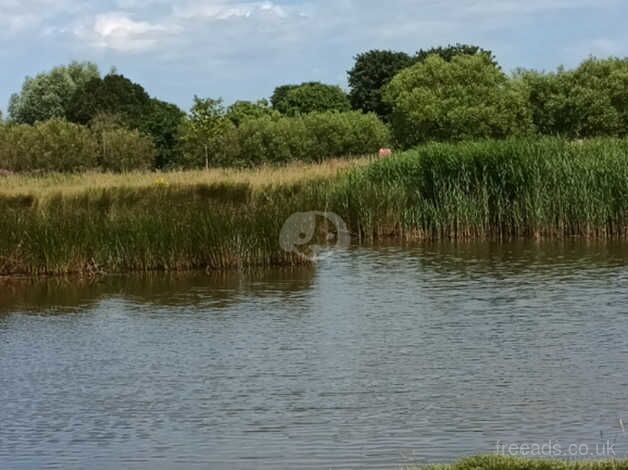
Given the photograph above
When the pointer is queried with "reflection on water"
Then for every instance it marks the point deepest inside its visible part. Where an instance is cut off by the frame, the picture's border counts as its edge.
(376, 358)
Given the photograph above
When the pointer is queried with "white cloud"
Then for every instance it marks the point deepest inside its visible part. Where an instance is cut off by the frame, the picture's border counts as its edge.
(226, 10)
(119, 32)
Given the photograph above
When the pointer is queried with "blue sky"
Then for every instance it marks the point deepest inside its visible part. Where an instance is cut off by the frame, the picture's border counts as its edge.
(243, 49)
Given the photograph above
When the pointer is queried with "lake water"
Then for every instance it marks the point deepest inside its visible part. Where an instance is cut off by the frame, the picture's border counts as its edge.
(375, 358)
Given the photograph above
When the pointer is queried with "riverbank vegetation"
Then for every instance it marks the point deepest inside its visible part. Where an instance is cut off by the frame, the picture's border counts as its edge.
(509, 463)
(224, 219)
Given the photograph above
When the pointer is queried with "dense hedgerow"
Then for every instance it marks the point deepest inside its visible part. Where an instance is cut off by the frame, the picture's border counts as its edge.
(272, 139)
(59, 146)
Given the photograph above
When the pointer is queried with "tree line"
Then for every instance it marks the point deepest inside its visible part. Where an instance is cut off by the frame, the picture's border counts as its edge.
(72, 117)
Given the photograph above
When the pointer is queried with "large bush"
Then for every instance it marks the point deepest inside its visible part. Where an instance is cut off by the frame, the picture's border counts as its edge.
(465, 98)
(53, 145)
(311, 137)
(60, 146)
(311, 97)
(121, 149)
(589, 101)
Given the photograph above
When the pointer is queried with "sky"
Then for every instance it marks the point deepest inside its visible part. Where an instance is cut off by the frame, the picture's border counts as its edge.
(239, 49)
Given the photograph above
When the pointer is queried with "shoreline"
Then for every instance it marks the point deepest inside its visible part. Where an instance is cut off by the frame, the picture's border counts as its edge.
(540, 189)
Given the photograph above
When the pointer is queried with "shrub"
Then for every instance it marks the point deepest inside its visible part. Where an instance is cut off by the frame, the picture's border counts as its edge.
(60, 146)
(466, 98)
(121, 149)
(311, 137)
(53, 145)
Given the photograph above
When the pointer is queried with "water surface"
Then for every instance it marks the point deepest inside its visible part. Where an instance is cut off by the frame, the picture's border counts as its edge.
(376, 358)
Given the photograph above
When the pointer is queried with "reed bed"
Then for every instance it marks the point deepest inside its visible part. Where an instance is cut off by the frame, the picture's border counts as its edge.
(231, 219)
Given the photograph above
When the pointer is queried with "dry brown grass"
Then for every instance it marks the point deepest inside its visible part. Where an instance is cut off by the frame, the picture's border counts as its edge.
(42, 186)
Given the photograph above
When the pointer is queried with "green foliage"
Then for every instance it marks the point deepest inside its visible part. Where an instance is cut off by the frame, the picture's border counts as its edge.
(116, 94)
(121, 149)
(162, 122)
(60, 146)
(113, 94)
(310, 97)
(449, 52)
(371, 72)
(513, 188)
(242, 111)
(49, 95)
(206, 136)
(309, 137)
(589, 101)
(280, 95)
(466, 98)
(53, 145)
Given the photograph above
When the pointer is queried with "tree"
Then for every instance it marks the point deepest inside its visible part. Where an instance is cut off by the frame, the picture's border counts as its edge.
(449, 52)
(48, 95)
(117, 95)
(371, 72)
(293, 100)
(204, 135)
(242, 111)
(113, 94)
(280, 95)
(162, 122)
(468, 97)
(589, 101)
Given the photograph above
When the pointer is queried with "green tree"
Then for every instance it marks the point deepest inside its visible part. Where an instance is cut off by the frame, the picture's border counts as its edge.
(162, 122)
(310, 97)
(590, 101)
(117, 95)
(468, 97)
(49, 95)
(207, 135)
(447, 53)
(113, 94)
(371, 72)
(242, 111)
(280, 94)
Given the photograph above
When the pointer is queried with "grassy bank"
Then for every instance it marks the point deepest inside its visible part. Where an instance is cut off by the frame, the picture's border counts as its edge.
(504, 463)
(223, 219)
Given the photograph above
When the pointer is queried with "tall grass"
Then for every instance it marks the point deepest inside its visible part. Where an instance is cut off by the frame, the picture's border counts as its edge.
(506, 463)
(231, 219)
(495, 189)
